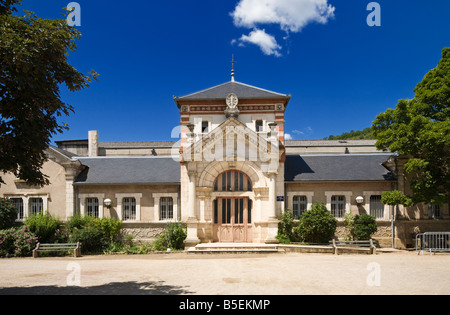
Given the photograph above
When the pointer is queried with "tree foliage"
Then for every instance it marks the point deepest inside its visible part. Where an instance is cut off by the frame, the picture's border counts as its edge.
(419, 129)
(33, 67)
(366, 134)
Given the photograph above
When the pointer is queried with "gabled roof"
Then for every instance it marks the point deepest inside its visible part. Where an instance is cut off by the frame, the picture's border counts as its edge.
(129, 170)
(243, 91)
(332, 167)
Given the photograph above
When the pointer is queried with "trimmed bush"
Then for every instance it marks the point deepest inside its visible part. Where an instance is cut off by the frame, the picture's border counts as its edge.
(316, 225)
(364, 227)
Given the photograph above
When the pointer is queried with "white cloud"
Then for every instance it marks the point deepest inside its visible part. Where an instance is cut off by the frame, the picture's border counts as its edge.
(287, 137)
(291, 15)
(266, 42)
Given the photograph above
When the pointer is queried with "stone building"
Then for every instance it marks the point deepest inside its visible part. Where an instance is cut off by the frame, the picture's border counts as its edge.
(229, 177)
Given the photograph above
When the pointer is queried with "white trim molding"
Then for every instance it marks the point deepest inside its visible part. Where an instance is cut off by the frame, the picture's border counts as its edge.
(348, 200)
(157, 197)
(83, 197)
(137, 197)
(367, 195)
(290, 198)
(26, 198)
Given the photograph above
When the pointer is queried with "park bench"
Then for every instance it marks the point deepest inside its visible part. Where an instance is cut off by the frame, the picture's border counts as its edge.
(354, 246)
(57, 248)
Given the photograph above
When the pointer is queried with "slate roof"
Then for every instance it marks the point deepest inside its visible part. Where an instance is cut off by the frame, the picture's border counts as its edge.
(129, 170)
(242, 91)
(332, 167)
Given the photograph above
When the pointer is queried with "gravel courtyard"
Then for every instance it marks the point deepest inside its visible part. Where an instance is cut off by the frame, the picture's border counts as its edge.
(276, 274)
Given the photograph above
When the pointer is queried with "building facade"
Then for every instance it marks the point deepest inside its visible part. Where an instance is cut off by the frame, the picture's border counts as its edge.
(229, 177)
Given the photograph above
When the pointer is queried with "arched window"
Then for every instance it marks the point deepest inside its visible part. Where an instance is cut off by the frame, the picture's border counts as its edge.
(233, 181)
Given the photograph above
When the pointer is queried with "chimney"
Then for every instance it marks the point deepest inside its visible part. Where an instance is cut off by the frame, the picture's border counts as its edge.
(93, 143)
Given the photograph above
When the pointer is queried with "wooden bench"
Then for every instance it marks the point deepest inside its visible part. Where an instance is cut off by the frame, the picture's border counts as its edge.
(57, 248)
(354, 246)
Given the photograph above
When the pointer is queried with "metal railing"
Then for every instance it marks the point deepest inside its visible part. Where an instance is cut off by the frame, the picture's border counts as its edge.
(433, 242)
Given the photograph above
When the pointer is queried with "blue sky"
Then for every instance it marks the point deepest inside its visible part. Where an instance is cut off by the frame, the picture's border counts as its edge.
(340, 72)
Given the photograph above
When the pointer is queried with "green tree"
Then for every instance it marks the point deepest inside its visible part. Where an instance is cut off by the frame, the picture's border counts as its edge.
(419, 129)
(33, 67)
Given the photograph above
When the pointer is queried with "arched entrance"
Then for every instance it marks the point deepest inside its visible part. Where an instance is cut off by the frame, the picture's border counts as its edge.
(232, 208)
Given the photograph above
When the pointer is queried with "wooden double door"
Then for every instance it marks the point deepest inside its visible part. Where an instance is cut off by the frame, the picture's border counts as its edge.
(232, 220)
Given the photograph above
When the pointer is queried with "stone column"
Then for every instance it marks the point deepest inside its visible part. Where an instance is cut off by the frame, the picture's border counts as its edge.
(192, 221)
(272, 221)
(70, 196)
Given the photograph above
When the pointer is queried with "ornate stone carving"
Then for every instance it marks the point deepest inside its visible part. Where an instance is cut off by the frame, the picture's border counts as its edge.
(232, 103)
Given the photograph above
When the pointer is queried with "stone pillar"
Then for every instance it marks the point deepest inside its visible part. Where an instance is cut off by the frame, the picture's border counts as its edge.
(272, 221)
(192, 221)
(70, 197)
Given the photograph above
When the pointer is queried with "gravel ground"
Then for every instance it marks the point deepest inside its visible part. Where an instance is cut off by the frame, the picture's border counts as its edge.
(276, 274)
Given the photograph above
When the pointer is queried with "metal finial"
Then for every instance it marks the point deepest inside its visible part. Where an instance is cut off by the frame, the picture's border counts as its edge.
(232, 68)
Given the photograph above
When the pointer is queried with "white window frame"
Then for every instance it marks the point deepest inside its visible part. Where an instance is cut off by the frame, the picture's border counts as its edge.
(156, 201)
(367, 195)
(290, 198)
(84, 197)
(348, 198)
(26, 198)
(18, 218)
(137, 197)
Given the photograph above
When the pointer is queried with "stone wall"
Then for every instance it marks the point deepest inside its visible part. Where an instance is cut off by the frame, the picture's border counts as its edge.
(143, 232)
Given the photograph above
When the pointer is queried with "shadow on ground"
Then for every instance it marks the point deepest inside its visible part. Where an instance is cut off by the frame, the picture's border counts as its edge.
(115, 288)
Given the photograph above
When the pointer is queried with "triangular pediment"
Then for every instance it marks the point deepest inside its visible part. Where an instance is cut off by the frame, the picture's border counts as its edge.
(233, 141)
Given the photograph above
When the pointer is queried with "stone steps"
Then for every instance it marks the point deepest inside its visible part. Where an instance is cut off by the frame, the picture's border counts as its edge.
(234, 248)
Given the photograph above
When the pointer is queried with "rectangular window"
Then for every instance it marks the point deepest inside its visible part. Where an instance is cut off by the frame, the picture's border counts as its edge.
(216, 212)
(18, 204)
(36, 206)
(166, 208)
(259, 125)
(300, 205)
(129, 209)
(224, 211)
(92, 209)
(376, 207)
(249, 211)
(434, 212)
(338, 206)
(205, 126)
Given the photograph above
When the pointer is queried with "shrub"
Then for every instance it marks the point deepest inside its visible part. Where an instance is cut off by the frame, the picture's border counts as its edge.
(285, 234)
(110, 228)
(17, 242)
(173, 237)
(8, 214)
(90, 237)
(25, 241)
(316, 225)
(95, 235)
(364, 227)
(44, 226)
